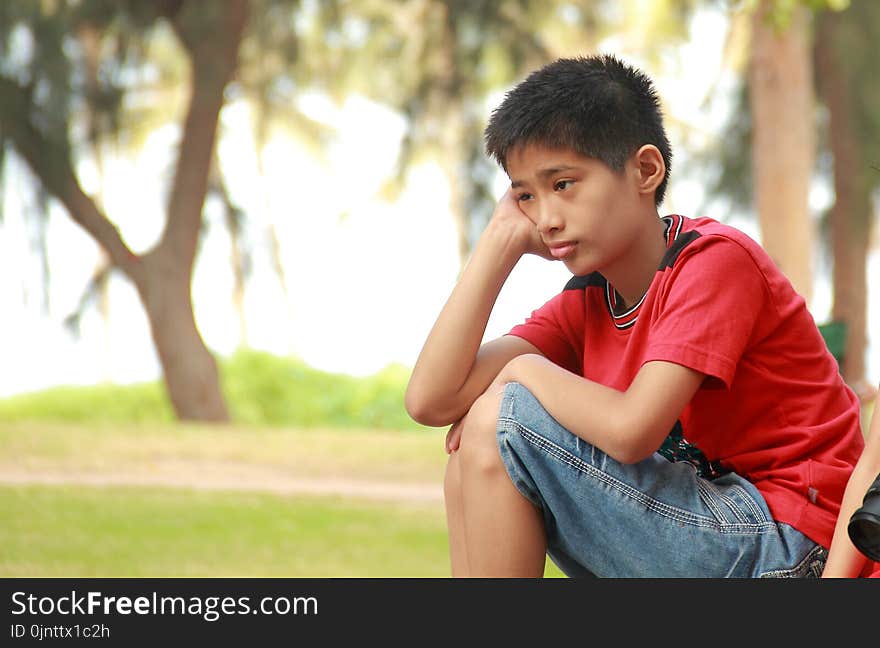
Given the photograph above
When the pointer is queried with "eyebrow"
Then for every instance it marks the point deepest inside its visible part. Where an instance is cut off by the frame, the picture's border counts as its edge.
(545, 173)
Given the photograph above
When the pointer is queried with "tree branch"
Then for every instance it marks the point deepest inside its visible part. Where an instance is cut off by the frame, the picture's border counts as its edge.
(211, 35)
(90, 293)
(50, 162)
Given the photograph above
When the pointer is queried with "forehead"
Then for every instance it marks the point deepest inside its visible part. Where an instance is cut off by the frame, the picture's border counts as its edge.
(530, 162)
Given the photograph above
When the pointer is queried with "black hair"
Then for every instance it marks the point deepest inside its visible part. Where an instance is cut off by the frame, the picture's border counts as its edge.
(597, 106)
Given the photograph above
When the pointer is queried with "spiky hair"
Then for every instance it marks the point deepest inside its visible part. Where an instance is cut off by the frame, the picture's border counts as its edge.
(597, 106)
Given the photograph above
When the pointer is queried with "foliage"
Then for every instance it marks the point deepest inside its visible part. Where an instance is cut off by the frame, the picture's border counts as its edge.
(727, 163)
(260, 389)
(779, 12)
(265, 389)
(107, 403)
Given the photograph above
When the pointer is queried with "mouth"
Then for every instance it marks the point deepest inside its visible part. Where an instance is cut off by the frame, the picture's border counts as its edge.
(561, 249)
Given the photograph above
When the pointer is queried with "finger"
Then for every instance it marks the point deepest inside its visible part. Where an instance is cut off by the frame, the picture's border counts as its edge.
(450, 441)
(453, 438)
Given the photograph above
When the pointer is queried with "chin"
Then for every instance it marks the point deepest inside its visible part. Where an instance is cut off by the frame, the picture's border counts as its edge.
(578, 268)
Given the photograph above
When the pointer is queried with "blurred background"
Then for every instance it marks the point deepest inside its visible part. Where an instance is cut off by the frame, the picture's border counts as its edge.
(251, 212)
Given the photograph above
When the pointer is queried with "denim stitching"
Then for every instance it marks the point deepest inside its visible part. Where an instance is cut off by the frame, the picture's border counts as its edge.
(737, 510)
(651, 504)
(751, 504)
(733, 506)
(738, 514)
(576, 463)
(709, 501)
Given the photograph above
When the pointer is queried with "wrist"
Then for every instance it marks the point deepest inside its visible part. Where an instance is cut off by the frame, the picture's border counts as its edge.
(504, 242)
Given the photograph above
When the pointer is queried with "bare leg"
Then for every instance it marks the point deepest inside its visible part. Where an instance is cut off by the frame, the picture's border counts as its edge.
(455, 517)
(503, 531)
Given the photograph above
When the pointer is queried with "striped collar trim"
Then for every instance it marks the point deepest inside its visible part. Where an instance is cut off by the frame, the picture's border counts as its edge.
(628, 318)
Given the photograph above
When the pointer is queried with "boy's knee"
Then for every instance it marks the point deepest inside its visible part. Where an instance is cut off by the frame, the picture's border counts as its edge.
(478, 449)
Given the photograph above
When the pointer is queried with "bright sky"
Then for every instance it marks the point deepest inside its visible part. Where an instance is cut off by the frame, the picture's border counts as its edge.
(366, 278)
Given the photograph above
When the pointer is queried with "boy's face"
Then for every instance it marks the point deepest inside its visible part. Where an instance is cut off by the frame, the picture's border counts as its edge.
(589, 215)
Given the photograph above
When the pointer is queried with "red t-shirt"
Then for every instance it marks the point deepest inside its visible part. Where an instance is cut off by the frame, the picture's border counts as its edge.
(773, 408)
(871, 570)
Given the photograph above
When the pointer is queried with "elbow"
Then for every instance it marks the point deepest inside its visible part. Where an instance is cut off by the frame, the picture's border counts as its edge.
(627, 452)
(630, 454)
(635, 441)
(423, 409)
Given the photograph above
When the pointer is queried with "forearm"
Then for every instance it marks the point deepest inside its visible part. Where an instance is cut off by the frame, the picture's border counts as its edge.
(443, 384)
(844, 559)
(627, 425)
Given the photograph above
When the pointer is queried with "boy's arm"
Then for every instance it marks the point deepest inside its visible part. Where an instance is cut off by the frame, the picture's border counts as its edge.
(627, 425)
(844, 559)
(453, 369)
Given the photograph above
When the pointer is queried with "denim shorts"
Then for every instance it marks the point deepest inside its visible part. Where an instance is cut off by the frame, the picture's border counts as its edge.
(651, 519)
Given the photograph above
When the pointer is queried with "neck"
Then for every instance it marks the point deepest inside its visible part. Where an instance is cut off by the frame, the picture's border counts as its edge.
(632, 275)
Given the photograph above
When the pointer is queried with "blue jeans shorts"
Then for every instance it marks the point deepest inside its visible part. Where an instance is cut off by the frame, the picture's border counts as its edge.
(650, 519)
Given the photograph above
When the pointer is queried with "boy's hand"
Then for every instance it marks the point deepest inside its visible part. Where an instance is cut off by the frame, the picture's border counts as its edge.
(453, 438)
(509, 218)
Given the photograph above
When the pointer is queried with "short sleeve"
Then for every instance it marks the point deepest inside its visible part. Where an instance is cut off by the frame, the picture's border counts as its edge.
(557, 329)
(708, 308)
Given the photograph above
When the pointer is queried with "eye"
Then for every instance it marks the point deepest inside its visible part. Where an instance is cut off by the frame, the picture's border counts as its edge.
(562, 185)
(523, 197)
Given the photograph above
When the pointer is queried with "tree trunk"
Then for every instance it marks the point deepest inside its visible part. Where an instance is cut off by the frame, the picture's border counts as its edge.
(851, 213)
(191, 376)
(783, 141)
(211, 33)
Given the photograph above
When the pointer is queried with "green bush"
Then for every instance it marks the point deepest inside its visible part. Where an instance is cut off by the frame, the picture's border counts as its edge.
(264, 389)
(105, 403)
(260, 389)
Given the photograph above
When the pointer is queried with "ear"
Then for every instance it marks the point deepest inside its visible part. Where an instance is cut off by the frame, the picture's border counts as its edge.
(650, 167)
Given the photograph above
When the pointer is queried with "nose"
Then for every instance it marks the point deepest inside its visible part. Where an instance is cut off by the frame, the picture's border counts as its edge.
(549, 219)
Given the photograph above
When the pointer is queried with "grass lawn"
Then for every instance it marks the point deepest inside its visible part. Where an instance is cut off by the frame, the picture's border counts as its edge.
(162, 532)
(74, 530)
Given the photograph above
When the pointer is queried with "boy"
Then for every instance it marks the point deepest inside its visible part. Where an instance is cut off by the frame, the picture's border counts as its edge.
(673, 411)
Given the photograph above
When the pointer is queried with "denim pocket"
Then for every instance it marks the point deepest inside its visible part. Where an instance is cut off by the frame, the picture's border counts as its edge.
(732, 502)
(810, 567)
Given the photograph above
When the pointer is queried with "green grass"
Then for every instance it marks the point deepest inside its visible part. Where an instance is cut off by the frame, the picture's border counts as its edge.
(290, 421)
(118, 531)
(84, 532)
(156, 532)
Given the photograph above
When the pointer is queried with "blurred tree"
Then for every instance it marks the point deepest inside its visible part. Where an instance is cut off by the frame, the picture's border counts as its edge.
(850, 88)
(441, 61)
(273, 70)
(239, 252)
(435, 61)
(43, 88)
(783, 135)
(98, 289)
(840, 39)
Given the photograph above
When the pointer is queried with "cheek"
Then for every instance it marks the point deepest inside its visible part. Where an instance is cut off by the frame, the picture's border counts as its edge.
(529, 210)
